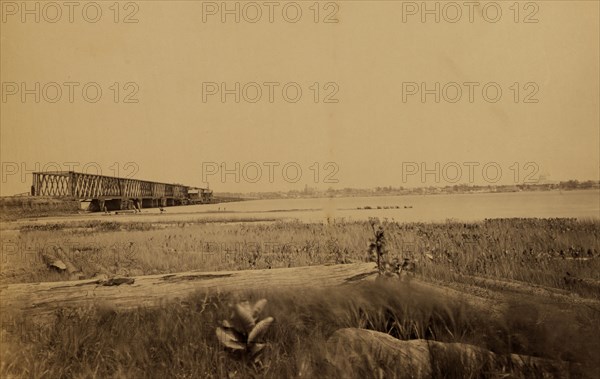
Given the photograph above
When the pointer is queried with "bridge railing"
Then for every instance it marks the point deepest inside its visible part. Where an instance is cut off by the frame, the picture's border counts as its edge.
(88, 186)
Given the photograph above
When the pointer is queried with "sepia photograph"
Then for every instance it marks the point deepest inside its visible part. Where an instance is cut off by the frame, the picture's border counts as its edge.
(299, 189)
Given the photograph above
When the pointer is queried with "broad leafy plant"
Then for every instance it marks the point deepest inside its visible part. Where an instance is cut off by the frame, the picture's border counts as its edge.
(244, 331)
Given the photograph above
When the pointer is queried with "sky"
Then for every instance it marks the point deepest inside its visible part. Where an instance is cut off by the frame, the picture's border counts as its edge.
(350, 103)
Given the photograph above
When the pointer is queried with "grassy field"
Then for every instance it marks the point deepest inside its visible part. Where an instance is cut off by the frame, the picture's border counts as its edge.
(530, 250)
(178, 340)
(15, 207)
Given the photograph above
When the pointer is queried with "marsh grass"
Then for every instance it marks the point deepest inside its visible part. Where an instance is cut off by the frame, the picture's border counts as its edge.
(556, 253)
(17, 207)
(178, 340)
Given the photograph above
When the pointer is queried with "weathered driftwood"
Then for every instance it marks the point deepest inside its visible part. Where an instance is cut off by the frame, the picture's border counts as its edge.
(153, 290)
(355, 351)
(39, 299)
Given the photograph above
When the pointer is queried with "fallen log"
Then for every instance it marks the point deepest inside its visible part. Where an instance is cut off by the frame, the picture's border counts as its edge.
(39, 299)
(42, 299)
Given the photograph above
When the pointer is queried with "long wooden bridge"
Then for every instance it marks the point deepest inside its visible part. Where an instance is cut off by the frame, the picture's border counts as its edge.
(112, 193)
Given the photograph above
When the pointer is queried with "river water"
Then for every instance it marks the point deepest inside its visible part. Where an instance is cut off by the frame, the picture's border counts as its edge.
(463, 207)
(583, 204)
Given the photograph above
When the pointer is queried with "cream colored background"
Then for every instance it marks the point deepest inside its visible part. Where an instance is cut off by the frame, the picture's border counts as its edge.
(369, 53)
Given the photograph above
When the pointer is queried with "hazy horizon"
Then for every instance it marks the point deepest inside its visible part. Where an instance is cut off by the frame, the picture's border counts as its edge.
(169, 119)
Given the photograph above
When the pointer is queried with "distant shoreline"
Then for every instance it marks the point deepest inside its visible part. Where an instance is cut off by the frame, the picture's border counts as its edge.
(32, 207)
(231, 197)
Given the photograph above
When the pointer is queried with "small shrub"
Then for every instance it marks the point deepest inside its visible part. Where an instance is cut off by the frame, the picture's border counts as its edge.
(378, 252)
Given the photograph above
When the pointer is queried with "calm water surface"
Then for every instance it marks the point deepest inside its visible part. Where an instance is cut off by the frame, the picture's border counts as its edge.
(467, 207)
(424, 208)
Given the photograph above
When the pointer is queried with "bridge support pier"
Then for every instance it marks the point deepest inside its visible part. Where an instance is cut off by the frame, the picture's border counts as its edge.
(97, 205)
(149, 203)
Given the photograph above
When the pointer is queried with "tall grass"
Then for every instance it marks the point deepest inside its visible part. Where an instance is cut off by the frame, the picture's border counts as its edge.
(178, 340)
(16, 207)
(535, 251)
